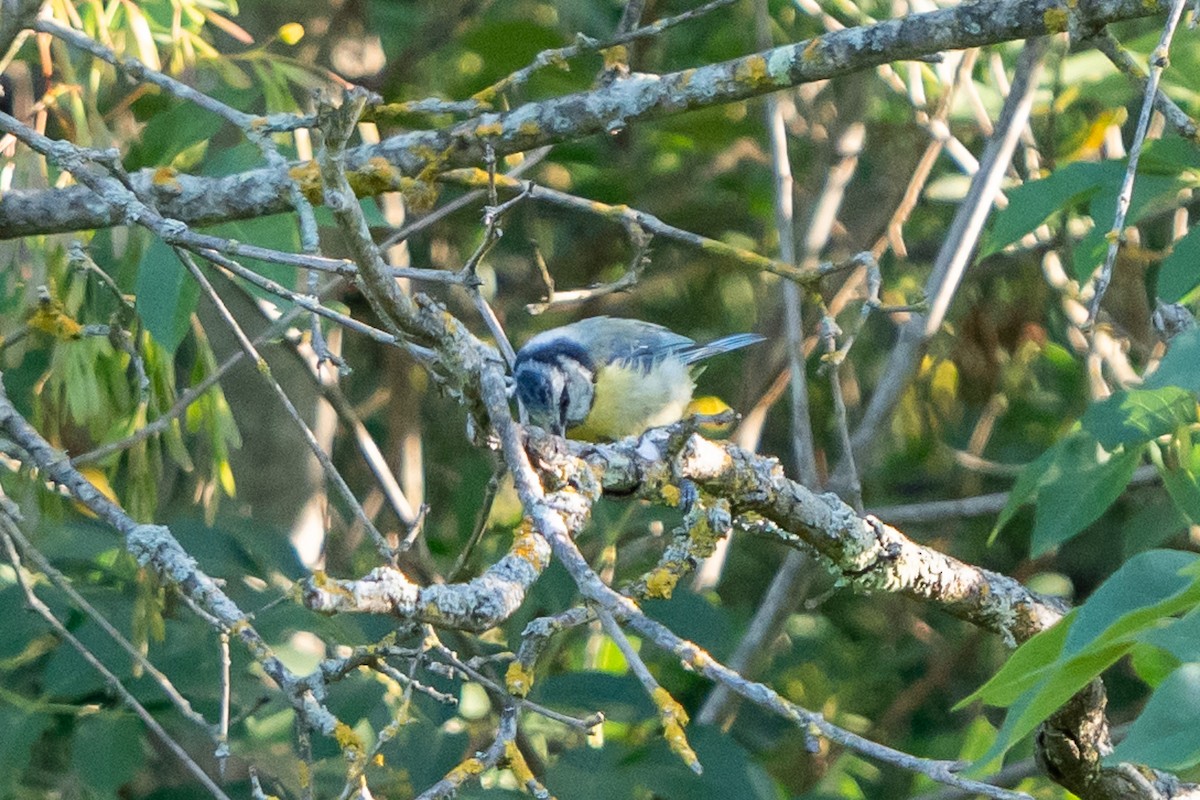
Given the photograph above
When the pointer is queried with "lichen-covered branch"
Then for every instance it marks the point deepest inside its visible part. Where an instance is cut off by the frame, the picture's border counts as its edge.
(863, 552)
(154, 547)
(477, 605)
(407, 161)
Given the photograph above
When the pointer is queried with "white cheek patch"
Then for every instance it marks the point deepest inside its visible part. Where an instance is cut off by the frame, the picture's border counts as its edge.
(580, 390)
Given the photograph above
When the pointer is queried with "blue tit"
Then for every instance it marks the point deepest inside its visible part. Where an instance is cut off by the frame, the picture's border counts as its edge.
(604, 379)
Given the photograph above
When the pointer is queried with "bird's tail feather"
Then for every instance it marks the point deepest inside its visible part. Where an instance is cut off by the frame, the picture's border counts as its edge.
(723, 345)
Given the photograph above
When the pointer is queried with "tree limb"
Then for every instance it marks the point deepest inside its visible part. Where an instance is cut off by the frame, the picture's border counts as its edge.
(405, 161)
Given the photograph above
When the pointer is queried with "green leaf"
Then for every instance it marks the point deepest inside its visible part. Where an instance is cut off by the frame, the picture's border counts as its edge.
(1079, 486)
(1024, 667)
(1136, 416)
(106, 752)
(1170, 155)
(1179, 273)
(1152, 193)
(1032, 204)
(19, 730)
(171, 129)
(1025, 489)
(1180, 638)
(1178, 366)
(1147, 587)
(1152, 664)
(1032, 708)
(166, 295)
(1184, 490)
(1150, 524)
(1049, 668)
(1166, 735)
(1089, 252)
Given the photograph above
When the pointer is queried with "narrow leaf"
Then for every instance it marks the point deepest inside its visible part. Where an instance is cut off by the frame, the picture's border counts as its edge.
(166, 295)
(1032, 204)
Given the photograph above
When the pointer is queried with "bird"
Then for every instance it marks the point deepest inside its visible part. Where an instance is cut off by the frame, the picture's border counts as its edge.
(606, 378)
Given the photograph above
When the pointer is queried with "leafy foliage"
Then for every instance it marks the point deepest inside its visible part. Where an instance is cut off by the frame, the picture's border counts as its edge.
(1008, 387)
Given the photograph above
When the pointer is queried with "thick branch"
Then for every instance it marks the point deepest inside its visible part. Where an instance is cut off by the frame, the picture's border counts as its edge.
(863, 552)
(477, 605)
(397, 162)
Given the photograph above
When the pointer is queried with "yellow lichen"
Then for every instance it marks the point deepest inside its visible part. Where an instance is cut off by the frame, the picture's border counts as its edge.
(703, 539)
(670, 495)
(518, 679)
(529, 128)
(615, 56)
(465, 770)
(526, 546)
(52, 319)
(347, 739)
(660, 583)
(166, 178)
(516, 763)
(752, 70)
(701, 661)
(489, 129)
(673, 719)
(1056, 20)
(307, 175)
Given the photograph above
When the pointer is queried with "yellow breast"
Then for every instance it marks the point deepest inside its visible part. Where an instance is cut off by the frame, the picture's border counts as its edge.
(629, 400)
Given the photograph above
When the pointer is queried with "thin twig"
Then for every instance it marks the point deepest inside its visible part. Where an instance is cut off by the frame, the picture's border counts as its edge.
(481, 520)
(633, 273)
(194, 393)
(63, 584)
(469, 672)
(957, 247)
(264, 369)
(1116, 234)
(648, 222)
(7, 525)
(585, 44)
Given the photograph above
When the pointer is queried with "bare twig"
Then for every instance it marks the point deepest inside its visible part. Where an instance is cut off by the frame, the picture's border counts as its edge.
(7, 526)
(958, 247)
(1116, 234)
(647, 222)
(260, 363)
(628, 30)
(61, 582)
(1175, 116)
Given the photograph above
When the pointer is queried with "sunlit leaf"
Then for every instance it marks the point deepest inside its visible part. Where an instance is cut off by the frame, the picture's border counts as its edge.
(1053, 665)
(1032, 203)
(1135, 416)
